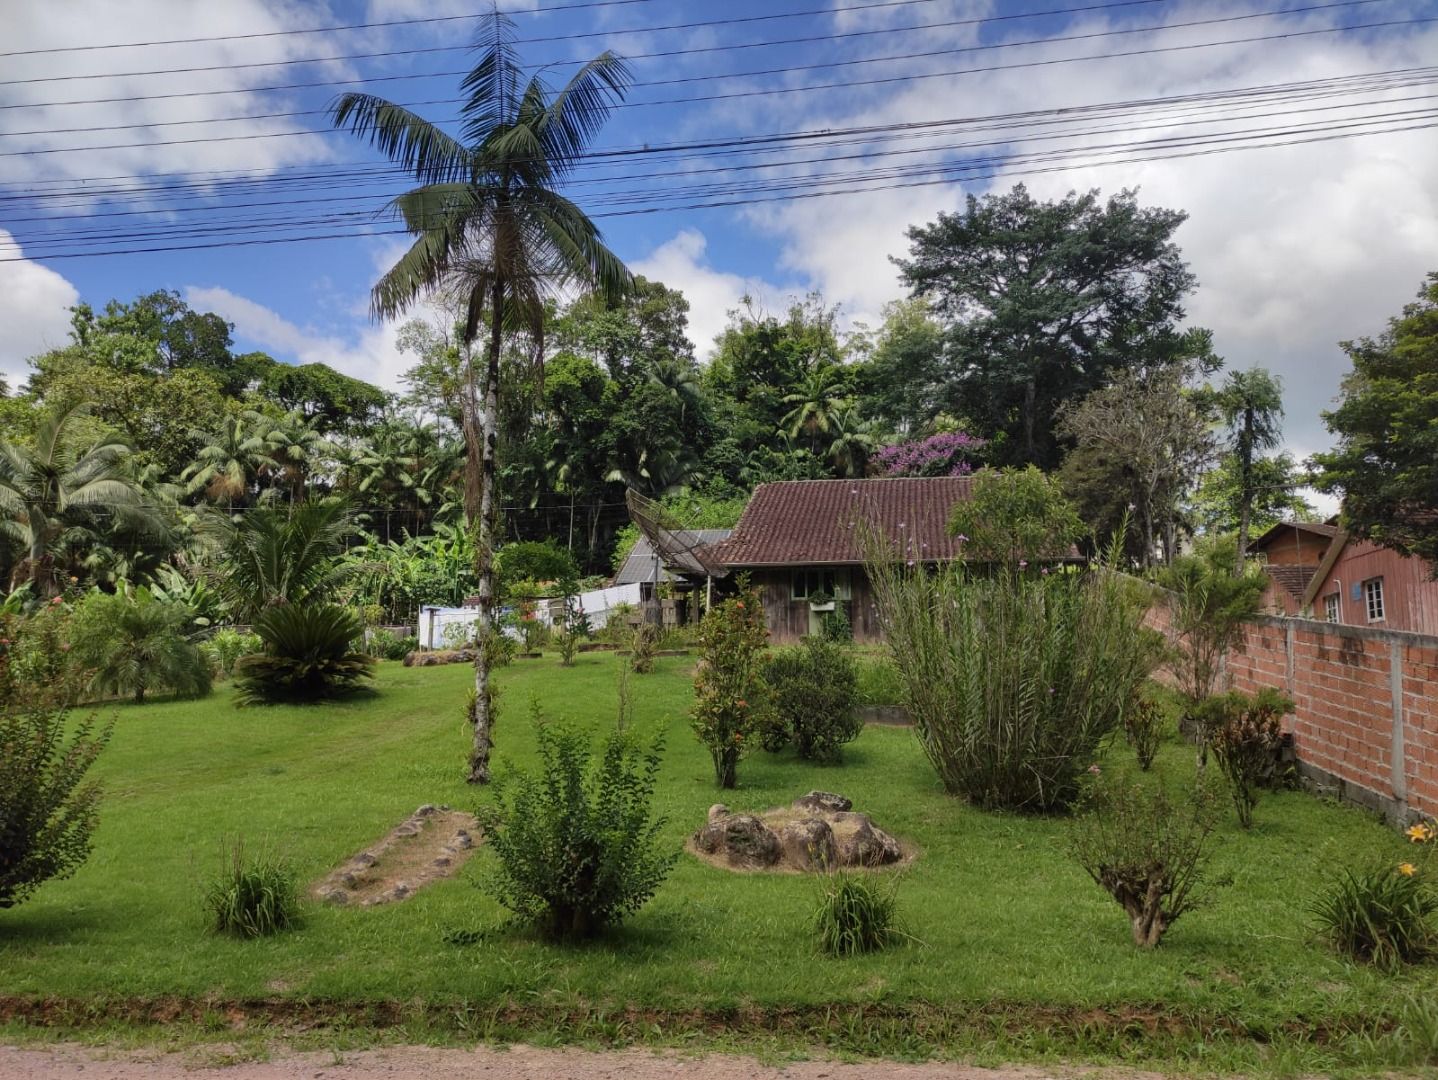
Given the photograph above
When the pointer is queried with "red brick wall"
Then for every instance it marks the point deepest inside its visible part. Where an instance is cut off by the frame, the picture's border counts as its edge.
(1342, 680)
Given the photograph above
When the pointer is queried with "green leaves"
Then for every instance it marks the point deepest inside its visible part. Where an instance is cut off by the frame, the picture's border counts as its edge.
(308, 655)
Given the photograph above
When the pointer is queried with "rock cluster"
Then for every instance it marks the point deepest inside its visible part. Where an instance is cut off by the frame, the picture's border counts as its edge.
(817, 831)
(431, 657)
(428, 845)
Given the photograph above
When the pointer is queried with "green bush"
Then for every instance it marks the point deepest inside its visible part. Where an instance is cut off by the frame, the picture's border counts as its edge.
(387, 645)
(225, 647)
(857, 913)
(47, 810)
(251, 897)
(1013, 678)
(534, 560)
(729, 686)
(643, 645)
(835, 625)
(813, 690)
(1382, 916)
(1143, 725)
(1146, 850)
(577, 845)
(1245, 734)
(308, 655)
(133, 643)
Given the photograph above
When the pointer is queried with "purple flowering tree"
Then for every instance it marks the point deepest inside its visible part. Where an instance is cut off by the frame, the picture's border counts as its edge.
(951, 453)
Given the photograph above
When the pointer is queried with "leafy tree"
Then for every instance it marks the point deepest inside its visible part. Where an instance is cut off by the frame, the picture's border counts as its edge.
(1041, 302)
(1386, 462)
(1251, 404)
(1016, 516)
(1140, 442)
(53, 487)
(490, 226)
(900, 379)
(1273, 489)
(322, 396)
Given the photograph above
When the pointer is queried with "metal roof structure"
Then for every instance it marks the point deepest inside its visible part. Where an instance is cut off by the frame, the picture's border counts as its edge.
(682, 551)
(640, 565)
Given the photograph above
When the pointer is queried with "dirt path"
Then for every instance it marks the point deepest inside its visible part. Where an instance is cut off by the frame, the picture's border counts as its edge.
(481, 1063)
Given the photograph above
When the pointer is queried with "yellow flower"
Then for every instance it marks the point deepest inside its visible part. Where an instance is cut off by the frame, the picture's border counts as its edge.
(1420, 833)
(1407, 869)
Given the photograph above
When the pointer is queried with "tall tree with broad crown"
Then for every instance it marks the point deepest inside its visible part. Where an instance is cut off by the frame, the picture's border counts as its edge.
(491, 227)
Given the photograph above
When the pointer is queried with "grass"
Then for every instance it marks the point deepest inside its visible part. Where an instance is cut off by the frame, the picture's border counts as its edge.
(1014, 954)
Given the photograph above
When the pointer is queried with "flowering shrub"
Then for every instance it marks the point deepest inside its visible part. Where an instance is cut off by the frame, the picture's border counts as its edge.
(729, 686)
(950, 453)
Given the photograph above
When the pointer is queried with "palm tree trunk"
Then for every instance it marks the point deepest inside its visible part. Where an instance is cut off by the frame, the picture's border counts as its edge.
(42, 579)
(484, 554)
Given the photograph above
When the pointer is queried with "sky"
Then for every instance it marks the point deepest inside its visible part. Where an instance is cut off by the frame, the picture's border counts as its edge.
(217, 143)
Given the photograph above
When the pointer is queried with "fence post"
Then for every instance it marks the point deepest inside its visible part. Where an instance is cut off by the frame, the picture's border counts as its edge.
(1288, 658)
(1397, 754)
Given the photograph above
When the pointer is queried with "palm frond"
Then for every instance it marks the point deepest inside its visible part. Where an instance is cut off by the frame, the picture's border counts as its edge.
(417, 145)
(492, 85)
(580, 109)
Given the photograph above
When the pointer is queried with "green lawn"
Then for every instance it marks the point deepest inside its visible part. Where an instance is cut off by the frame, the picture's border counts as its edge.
(1018, 954)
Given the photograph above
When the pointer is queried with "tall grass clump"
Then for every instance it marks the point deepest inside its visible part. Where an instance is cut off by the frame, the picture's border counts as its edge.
(1013, 675)
(1381, 915)
(251, 896)
(857, 914)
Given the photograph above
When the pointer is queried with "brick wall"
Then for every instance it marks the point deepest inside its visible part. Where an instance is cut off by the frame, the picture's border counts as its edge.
(1366, 724)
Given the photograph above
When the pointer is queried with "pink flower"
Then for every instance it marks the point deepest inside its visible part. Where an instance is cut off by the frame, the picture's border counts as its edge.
(1023, 564)
(961, 538)
(56, 600)
(1094, 769)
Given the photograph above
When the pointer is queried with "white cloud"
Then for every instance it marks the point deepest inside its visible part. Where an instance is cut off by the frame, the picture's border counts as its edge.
(680, 263)
(33, 310)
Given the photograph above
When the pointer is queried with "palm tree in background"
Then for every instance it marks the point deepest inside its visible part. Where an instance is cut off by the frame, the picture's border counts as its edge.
(679, 379)
(492, 230)
(813, 408)
(56, 489)
(852, 440)
(231, 460)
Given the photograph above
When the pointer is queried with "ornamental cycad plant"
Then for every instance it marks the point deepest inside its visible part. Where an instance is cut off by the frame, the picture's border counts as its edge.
(729, 686)
(309, 654)
(1012, 676)
(577, 844)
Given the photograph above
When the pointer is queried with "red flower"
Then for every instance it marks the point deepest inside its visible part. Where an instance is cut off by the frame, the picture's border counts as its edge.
(739, 604)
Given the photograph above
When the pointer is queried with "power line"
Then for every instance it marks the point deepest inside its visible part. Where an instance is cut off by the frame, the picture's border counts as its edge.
(582, 36)
(73, 235)
(950, 174)
(770, 91)
(557, 9)
(669, 53)
(317, 174)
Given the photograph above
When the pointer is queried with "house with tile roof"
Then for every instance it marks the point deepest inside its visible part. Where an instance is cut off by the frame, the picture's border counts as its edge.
(798, 543)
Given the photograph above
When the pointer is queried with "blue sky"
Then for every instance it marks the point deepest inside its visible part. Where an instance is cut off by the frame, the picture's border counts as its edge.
(1295, 247)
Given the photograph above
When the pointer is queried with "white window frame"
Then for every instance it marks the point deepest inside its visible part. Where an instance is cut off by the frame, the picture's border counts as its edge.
(804, 583)
(1373, 599)
(1333, 607)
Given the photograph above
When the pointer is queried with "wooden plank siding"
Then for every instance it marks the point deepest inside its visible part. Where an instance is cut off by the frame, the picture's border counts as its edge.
(788, 619)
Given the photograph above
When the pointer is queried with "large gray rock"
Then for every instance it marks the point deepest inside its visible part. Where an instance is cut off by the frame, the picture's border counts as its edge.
(867, 844)
(809, 844)
(825, 802)
(742, 839)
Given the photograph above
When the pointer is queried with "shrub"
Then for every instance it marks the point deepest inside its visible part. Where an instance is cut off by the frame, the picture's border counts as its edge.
(251, 897)
(729, 685)
(308, 655)
(835, 626)
(1146, 851)
(225, 647)
(133, 643)
(47, 810)
(1246, 736)
(1015, 516)
(577, 845)
(387, 645)
(534, 560)
(1143, 724)
(856, 914)
(1381, 915)
(813, 689)
(573, 625)
(1012, 679)
(643, 645)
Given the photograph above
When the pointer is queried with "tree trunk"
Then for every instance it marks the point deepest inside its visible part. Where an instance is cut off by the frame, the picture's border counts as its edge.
(42, 577)
(1245, 487)
(1030, 407)
(485, 629)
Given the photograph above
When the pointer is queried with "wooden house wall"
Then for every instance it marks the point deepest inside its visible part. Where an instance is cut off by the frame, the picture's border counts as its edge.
(788, 619)
(1410, 595)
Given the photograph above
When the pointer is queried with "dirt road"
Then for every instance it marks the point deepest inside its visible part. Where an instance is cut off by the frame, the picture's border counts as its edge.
(482, 1063)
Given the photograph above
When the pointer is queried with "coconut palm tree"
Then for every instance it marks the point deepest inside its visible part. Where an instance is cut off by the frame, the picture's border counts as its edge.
(492, 230)
(54, 491)
(813, 407)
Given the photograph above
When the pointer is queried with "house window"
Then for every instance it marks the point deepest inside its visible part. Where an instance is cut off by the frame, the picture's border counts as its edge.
(810, 583)
(1373, 598)
(1332, 609)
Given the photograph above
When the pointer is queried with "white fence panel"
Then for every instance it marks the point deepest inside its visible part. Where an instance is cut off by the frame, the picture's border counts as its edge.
(445, 627)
